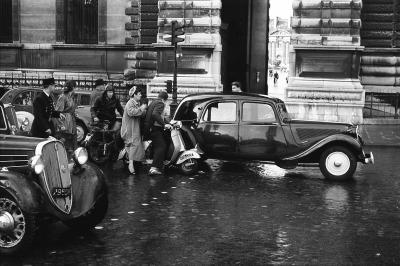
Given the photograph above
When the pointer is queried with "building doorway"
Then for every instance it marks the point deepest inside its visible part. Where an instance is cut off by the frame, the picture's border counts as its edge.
(244, 34)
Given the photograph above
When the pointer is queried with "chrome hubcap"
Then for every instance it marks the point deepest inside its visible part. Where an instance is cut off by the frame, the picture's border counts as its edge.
(12, 223)
(337, 163)
(6, 221)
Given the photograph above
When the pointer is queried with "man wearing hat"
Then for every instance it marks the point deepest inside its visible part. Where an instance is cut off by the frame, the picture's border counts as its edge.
(99, 85)
(43, 110)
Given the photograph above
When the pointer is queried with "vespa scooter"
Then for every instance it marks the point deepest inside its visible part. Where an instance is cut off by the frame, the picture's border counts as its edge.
(187, 160)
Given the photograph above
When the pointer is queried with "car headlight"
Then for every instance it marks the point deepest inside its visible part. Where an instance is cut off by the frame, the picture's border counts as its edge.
(81, 155)
(37, 164)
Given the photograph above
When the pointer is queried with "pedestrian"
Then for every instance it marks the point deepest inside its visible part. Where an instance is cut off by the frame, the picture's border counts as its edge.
(43, 111)
(105, 106)
(276, 77)
(99, 85)
(155, 124)
(66, 105)
(236, 86)
(130, 129)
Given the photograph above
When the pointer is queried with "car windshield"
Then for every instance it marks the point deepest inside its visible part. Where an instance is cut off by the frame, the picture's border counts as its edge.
(11, 115)
(283, 111)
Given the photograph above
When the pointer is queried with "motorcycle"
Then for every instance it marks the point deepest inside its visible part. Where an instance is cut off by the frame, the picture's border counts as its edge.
(180, 153)
(102, 142)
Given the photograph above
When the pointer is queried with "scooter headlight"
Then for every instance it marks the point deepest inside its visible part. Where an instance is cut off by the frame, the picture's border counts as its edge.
(37, 164)
(81, 155)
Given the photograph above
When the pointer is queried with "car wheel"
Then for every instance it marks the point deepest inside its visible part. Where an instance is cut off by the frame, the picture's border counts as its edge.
(17, 227)
(81, 131)
(90, 219)
(338, 163)
(189, 166)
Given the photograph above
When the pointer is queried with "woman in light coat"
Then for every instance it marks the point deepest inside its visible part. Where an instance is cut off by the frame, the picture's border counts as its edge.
(66, 105)
(130, 128)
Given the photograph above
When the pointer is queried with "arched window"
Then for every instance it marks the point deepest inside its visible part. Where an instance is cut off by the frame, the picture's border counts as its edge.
(81, 21)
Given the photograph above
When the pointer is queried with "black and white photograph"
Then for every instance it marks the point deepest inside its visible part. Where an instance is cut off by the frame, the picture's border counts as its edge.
(199, 132)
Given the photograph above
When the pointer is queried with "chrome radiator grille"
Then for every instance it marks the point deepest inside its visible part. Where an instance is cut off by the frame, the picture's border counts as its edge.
(56, 175)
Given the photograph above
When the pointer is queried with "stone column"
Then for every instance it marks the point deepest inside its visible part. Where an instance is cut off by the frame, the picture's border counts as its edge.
(200, 64)
(324, 81)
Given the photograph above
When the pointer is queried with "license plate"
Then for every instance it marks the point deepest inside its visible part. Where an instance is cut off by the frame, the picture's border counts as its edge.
(61, 192)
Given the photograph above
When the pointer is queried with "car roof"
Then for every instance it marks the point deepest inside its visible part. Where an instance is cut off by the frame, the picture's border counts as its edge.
(22, 88)
(231, 96)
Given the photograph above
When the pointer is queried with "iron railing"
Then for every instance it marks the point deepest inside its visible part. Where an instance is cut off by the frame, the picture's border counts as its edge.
(15, 80)
(382, 105)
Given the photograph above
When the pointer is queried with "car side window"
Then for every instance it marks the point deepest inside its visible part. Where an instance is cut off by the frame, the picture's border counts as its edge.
(258, 112)
(24, 98)
(2, 119)
(220, 112)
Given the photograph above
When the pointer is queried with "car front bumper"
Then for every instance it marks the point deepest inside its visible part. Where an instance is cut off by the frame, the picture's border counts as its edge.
(369, 158)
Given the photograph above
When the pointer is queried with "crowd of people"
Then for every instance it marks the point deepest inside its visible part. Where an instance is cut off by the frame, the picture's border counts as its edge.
(58, 120)
(140, 121)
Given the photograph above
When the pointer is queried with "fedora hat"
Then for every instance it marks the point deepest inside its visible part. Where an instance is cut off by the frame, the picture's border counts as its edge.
(48, 81)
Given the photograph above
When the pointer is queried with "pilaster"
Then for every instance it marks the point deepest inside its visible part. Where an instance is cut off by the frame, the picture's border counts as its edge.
(324, 81)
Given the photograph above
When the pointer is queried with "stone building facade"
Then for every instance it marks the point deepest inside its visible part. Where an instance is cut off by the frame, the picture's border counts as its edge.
(335, 63)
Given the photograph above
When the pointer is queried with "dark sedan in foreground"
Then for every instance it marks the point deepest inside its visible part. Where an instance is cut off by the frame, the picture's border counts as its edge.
(40, 182)
(252, 127)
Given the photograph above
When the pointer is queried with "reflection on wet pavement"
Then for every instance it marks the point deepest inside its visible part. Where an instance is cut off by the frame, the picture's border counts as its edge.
(236, 213)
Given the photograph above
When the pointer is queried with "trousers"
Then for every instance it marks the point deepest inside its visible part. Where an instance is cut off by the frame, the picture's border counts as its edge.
(159, 147)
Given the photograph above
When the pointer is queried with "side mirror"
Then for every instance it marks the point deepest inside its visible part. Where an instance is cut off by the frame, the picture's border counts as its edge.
(286, 120)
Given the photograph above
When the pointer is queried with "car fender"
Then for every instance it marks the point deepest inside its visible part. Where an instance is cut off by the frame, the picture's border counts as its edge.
(354, 143)
(186, 155)
(26, 192)
(88, 186)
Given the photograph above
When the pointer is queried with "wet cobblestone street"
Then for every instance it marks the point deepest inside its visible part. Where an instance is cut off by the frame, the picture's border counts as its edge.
(233, 213)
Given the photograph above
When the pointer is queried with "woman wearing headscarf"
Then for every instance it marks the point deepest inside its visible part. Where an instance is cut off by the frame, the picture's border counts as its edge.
(130, 128)
(66, 105)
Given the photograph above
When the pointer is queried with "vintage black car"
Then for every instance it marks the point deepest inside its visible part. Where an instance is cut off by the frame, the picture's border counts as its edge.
(22, 99)
(252, 127)
(39, 183)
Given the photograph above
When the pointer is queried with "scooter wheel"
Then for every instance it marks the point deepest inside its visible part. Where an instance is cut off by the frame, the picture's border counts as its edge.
(189, 166)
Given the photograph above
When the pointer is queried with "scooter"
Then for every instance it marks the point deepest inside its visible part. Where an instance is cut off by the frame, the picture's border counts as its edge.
(187, 160)
(101, 142)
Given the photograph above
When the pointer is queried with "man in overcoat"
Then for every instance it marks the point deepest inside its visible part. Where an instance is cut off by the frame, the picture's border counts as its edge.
(43, 111)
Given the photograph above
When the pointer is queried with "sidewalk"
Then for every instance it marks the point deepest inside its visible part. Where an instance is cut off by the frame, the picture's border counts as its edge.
(381, 135)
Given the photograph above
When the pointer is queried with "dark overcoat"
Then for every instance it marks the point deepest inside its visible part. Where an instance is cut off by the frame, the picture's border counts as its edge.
(43, 110)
